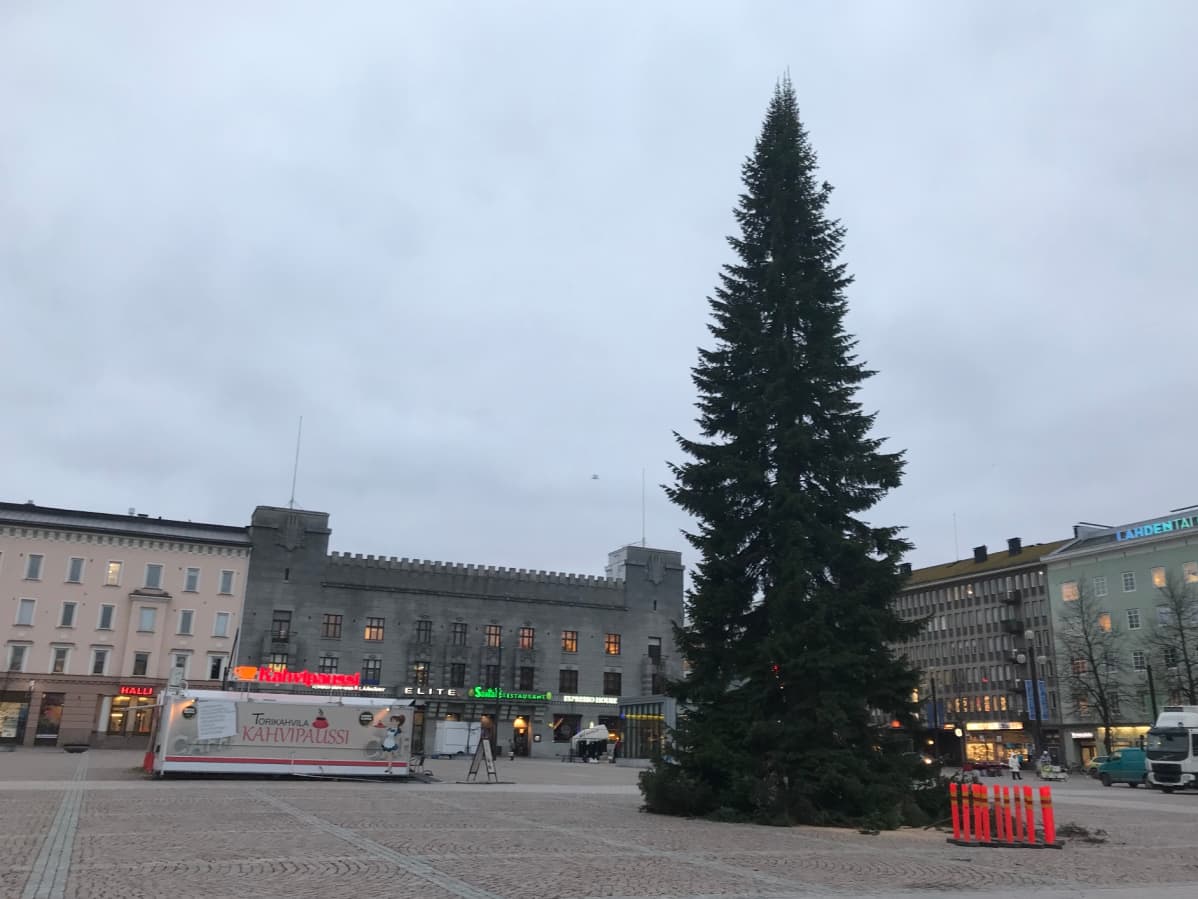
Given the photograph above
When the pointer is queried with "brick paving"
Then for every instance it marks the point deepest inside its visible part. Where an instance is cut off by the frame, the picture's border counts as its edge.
(558, 831)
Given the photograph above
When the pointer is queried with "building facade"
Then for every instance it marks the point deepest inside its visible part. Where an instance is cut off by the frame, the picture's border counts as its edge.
(1127, 579)
(986, 653)
(99, 609)
(543, 654)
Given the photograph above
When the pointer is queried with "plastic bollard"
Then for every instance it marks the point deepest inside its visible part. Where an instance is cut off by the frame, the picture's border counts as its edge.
(1046, 816)
(998, 817)
(978, 802)
(1018, 815)
(1006, 810)
(952, 802)
(966, 812)
(1029, 809)
(985, 795)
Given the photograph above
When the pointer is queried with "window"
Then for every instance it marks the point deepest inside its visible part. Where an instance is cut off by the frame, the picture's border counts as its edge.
(33, 567)
(457, 674)
(181, 662)
(220, 625)
(374, 629)
(1069, 591)
(58, 662)
(141, 663)
(372, 671)
(226, 582)
(611, 645)
(1139, 660)
(16, 657)
(154, 576)
(491, 676)
(424, 631)
(1104, 621)
(527, 678)
(658, 684)
(1158, 577)
(655, 648)
(459, 633)
(1080, 666)
(280, 626)
(191, 582)
(216, 667)
(1164, 615)
(1133, 619)
(112, 575)
(75, 571)
(1100, 586)
(611, 683)
(147, 617)
(420, 673)
(99, 661)
(569, 641)
(494, 636)
(1170, 654)
(25, 611)
(67, 619)
(185, 621)
(1189, 572)
(527, 637)
(330, 626)
(277, 661)
(328, 665)
(1129, 582)
(567, 681)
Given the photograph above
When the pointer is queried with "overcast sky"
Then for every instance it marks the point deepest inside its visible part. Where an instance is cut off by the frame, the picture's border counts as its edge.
(471, 244)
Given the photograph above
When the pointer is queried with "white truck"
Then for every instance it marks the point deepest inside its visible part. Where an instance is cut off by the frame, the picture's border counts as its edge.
(1173, 749)
(452, 738)
(196, 731)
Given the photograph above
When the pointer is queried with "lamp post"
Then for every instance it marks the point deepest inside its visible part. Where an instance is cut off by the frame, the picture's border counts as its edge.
(1037, 710)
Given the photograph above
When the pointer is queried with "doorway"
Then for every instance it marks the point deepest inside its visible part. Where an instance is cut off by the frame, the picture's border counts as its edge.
(520, 740)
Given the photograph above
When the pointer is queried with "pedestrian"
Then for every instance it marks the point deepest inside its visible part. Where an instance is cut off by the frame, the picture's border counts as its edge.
(1014, 764)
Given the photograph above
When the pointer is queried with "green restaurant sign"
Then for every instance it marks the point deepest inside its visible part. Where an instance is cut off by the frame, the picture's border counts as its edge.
(508, 695)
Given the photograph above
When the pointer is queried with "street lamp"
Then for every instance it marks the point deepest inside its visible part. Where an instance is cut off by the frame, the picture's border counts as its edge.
(1037, 709)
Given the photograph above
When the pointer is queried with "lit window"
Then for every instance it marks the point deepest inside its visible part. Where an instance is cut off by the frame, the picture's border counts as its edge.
(494, 636)
(75, 571)
(1189, 572)
(527, 637)
(420, 673)
(112, 574)
(373, 630)
(1069, 591)
(569, 641)
(277, 661)
(1080, 666)
(58, 664)
(1104, 621)
(1158, 577)
(611, 645)
(33, 567)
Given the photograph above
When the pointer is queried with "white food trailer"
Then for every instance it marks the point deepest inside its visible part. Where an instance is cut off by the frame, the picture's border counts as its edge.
(198, 731)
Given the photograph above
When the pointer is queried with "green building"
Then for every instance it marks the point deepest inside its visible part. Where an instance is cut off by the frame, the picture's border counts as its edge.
(1124, 604)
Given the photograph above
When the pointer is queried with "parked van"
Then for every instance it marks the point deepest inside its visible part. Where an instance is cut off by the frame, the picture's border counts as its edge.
(1124, 766)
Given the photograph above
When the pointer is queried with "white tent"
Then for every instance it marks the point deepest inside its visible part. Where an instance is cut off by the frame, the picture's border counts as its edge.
(596, 734)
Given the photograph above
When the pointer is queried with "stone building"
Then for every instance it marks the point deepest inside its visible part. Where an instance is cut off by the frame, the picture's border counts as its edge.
(546, 653)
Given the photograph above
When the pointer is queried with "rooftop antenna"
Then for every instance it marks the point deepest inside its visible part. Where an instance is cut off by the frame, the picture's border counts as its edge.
(295, 469)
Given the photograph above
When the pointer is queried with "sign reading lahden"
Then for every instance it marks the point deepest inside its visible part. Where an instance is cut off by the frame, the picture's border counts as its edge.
(508, 695)
(592, 700)
(313, 679)
(1156, 527)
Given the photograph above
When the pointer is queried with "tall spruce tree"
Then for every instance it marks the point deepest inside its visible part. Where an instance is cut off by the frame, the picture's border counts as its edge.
(790, 627)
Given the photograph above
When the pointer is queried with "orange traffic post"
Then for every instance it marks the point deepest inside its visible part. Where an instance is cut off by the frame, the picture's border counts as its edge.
(952, 803)
(985, 794)
(1018, 815)
(1006, 810)
(998, 819)
(979, 809)
(1046, 816)
(1030, 810)
(966, 811)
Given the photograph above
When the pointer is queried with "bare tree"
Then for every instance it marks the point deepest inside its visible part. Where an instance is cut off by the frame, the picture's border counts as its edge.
(1172, 640)
(1093, 647)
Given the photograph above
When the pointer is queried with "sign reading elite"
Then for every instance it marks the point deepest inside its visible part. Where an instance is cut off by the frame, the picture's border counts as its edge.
(511, 696)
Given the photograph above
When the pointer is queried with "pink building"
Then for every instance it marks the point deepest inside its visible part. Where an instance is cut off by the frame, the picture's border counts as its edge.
(97, 610)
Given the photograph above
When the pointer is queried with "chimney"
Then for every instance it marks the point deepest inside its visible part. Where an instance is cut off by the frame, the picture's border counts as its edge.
(905, 569)
(980, 554)
(132, 511)
(1014, 546)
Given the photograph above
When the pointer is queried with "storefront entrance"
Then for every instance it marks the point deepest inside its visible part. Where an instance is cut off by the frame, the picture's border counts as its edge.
(14, 715)
(520, 735)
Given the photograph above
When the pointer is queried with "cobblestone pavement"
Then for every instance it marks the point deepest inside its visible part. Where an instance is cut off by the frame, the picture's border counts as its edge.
(93, 827)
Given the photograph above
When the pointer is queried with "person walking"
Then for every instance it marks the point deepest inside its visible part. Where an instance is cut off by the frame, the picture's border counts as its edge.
(1014, 764)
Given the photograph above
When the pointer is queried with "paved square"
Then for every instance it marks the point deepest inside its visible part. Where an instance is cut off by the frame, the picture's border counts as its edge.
(92, 825)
